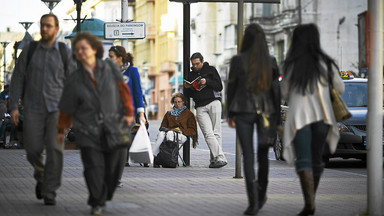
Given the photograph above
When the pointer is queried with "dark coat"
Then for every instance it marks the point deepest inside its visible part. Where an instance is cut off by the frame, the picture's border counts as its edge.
(91, 107)
(241, 100)
(209, 93)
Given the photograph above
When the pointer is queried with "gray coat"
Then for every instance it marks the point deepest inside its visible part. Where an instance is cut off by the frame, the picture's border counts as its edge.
(40, 83)
(92, 108)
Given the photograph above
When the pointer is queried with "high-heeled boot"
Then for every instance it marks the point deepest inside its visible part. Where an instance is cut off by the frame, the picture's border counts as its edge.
(307, 186)
(316, 181)
(253, 198)
(262, 194)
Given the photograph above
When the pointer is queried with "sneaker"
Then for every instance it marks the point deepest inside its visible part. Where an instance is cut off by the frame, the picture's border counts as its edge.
(211, 165)
(218, 164)
(96, 210)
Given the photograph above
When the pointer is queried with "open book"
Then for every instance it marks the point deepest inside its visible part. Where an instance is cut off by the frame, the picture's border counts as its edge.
(195, 83)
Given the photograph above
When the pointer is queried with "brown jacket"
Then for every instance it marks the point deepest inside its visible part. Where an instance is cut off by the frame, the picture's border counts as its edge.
(186, 122)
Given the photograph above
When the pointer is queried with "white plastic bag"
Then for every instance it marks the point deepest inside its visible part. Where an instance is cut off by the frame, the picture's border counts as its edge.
(141, 149)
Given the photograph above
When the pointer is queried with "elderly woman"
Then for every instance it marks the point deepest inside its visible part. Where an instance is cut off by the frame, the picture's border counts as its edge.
(178, 121)
(95, 99)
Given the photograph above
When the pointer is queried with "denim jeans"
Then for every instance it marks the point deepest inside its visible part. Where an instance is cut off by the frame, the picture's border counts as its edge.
(309, 145)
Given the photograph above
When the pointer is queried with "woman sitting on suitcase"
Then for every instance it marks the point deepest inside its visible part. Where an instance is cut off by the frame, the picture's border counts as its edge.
(177, 123)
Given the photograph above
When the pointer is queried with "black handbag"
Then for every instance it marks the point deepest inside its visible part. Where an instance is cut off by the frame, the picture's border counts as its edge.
(168, 152)
(118, 139)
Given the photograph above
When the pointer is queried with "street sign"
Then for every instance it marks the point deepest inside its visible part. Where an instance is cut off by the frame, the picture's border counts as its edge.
(124, 30)
(229, 1)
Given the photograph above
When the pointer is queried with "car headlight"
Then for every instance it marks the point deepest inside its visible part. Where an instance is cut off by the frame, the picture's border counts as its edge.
(343, 127)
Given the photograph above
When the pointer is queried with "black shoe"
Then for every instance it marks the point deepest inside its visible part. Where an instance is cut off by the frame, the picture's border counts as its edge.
(49, 201)
(218, 164)
(253, 198)
(146, 165)
(127, 164)
(38, 188)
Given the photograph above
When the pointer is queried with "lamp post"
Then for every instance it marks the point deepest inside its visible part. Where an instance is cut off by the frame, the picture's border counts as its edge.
(26, 25)
(51, 4)
(339, 48)
(4, 43)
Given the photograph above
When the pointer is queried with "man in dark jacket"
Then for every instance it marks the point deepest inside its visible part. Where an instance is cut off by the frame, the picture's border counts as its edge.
(204, 86)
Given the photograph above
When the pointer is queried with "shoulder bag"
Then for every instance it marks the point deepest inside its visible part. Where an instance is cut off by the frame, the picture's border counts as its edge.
(339, 108)
(119, 138)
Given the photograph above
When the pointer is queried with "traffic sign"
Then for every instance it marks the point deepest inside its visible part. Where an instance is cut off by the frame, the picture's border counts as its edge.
(124, 30)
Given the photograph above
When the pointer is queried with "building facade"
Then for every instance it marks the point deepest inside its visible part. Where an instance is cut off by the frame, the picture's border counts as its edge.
(214, 28)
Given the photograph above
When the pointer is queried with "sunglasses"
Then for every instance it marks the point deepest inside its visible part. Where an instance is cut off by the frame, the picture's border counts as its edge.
(116, 50)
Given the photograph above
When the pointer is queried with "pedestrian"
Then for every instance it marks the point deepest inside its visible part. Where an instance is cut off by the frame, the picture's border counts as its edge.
(310, 122)
(179, 122)
(38, 79)
(131, 77)
(5, 93)
(93, 100)
(253, 97)
(204, 85)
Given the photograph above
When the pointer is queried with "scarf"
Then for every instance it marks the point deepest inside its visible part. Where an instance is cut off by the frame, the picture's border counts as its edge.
(176, 112)
(124, 67)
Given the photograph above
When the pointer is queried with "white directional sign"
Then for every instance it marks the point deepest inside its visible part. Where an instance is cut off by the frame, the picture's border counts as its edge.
(124, 30)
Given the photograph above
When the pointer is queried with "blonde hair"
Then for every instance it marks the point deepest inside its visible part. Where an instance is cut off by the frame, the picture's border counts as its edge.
(178, 94)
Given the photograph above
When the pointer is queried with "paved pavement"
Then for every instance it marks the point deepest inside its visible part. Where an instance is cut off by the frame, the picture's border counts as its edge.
(187, 191)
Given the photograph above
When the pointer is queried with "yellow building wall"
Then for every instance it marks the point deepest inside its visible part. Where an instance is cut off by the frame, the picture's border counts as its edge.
(157, 50)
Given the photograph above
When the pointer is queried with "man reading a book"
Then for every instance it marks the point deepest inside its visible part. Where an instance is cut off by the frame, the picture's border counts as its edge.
(204, 85)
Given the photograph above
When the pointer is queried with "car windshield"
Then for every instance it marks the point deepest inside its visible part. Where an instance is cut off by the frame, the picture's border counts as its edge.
(355, 94)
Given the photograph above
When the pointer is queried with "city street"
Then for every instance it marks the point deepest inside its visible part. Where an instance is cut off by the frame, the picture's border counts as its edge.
(195, 190)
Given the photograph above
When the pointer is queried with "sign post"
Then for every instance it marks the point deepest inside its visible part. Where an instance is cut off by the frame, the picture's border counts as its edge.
(124, 30)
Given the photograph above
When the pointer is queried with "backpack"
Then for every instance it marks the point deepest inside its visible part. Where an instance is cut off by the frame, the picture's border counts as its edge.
(62, 49)
(168, 154)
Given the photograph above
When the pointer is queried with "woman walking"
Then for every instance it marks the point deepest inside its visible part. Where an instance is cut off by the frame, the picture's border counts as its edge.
(131, 77)
(310, 122)
(95, 99)
(253, 97)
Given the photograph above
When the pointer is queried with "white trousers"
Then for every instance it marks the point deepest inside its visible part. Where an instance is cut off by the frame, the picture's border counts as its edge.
(170, 136)
(209, 119)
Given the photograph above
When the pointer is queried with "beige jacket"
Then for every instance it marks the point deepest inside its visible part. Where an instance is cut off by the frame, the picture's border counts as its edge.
(304, 110)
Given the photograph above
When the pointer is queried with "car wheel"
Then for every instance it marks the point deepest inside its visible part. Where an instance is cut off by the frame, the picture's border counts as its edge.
(278, 149)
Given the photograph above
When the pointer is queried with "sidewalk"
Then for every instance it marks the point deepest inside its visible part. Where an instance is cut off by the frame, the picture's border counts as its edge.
(185, 191)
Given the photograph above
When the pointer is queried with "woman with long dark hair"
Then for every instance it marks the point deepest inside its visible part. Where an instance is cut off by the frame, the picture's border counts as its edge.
(310, 123)
(131, 77)
(253, 97)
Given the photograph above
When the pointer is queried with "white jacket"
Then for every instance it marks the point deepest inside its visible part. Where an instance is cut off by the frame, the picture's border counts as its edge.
(307, 109)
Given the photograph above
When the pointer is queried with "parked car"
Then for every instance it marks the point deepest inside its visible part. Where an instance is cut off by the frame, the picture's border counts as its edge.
(353, 133)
